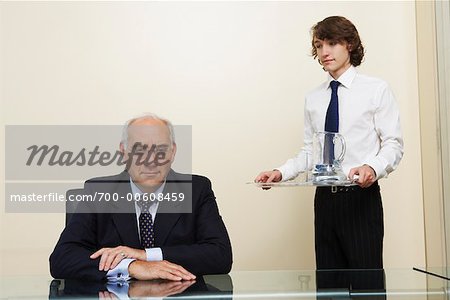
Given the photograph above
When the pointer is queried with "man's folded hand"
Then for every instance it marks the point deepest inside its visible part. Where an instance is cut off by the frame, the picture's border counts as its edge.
(148, 270)
(111, 257)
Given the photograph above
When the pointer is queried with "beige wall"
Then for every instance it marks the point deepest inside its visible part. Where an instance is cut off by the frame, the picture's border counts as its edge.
(432, 176)
(236, 71)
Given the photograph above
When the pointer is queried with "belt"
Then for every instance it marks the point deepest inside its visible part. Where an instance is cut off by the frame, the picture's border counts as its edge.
(348, 189)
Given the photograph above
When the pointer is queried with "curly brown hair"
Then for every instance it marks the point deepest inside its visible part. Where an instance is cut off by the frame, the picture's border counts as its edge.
(341, 30)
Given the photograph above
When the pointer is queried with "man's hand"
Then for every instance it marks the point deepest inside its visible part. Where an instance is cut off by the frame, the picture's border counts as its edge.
(142, 289)
(111, 257)
(268, 176)
(148, 270)
(366, 175)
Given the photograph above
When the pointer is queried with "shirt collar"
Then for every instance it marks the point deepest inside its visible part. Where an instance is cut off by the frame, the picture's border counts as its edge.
(136, 190)
(345, 79)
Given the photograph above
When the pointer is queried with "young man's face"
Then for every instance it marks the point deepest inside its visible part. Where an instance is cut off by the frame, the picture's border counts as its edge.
(333, 56)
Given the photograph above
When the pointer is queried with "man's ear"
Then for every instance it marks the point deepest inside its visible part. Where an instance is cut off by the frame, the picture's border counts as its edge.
(174, 151)
(123, 150)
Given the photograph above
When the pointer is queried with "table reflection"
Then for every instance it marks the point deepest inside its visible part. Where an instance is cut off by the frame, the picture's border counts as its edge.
(221, 289)
(370, 284)
(283, 284)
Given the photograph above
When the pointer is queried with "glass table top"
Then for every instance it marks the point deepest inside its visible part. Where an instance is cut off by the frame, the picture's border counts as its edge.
(293, 284)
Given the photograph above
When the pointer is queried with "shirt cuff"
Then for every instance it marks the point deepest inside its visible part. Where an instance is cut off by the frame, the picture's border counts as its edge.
(120, 272)
(377, 166)
(154, 254)
(285, 175)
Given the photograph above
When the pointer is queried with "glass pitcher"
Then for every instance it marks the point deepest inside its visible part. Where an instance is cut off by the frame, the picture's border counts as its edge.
(328, 154)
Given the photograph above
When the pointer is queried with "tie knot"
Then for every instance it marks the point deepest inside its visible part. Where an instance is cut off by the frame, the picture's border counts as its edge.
(144, 204)
(334, 85)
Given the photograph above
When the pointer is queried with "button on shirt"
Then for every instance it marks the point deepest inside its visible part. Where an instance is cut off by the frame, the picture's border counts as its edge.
(368, 120)
(120, 272)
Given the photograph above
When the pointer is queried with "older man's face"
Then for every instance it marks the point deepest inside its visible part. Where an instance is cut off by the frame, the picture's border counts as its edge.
(149, 153)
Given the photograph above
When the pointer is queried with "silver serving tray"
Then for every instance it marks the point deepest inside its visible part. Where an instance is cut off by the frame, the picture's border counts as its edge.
(303, 183)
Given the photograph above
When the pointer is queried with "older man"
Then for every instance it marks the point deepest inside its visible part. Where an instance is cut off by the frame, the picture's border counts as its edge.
(163, 225)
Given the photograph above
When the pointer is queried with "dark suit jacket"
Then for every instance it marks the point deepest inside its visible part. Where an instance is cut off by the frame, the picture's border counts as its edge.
(198, 241)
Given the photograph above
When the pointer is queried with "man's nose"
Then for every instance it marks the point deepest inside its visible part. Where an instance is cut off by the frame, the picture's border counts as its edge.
(146, 159)
(325, 51)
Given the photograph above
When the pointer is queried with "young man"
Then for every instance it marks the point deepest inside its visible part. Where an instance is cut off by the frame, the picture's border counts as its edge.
(348, 221)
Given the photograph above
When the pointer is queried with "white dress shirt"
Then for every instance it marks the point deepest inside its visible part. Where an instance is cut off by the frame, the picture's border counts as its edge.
(368, 120)
(120, 272)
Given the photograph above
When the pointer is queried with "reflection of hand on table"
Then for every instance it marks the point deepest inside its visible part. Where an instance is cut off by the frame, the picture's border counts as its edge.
(142, 289)
(159, 288)
(107, 295)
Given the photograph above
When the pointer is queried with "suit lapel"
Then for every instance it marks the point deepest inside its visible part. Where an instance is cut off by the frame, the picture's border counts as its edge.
(166, 220)
(164, 224)
(125, 221)
(126, 225)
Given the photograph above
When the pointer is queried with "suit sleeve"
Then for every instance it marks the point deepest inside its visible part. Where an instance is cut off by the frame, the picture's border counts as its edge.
(211, 252)
(70, 258)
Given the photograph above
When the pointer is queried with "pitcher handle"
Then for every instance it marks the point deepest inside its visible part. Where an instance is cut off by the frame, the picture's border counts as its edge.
(341, 157)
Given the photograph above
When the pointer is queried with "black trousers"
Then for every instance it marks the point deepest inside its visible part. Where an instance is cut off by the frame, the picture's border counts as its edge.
(349, 227)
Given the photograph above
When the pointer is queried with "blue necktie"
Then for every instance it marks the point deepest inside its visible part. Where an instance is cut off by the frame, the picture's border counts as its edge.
(331, 123)
(146, 225)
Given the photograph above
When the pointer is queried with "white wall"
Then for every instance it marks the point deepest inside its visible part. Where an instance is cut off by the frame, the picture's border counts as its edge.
(237, 72)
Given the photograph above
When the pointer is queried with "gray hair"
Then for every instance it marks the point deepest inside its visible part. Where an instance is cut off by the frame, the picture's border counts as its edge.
(169, 125)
